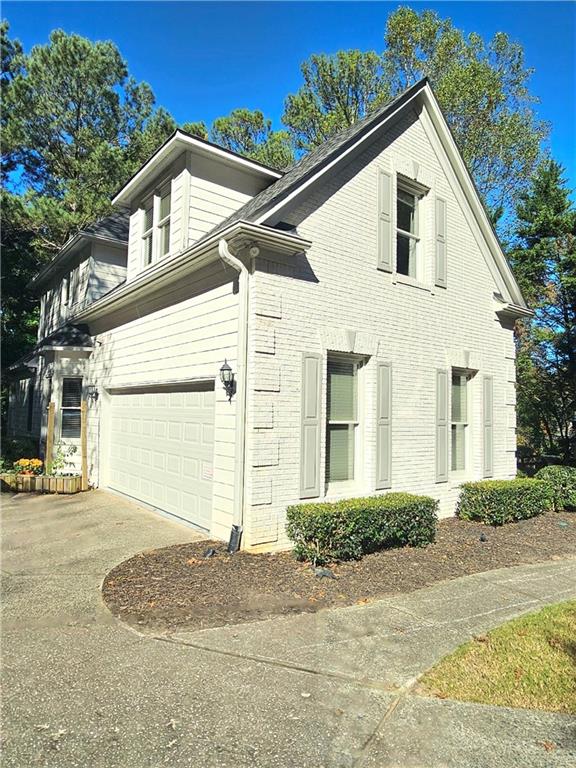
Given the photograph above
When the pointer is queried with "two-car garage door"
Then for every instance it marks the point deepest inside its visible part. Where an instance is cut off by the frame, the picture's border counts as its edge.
(161, 447)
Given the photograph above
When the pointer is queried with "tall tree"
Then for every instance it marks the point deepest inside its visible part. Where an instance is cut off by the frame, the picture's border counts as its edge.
(249, 133)
(481, 87)
(483, 91)
(544, 261)
(337, 90)
(72, 111)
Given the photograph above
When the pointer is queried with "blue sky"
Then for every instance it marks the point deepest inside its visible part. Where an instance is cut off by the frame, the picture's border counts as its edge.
(204, 59)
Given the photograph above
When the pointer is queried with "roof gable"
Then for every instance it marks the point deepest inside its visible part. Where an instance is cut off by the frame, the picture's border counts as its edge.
(270, 202)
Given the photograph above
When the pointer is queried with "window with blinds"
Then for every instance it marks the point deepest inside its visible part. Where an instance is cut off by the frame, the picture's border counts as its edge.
(342, 419)
(459, 419)
(70, 407)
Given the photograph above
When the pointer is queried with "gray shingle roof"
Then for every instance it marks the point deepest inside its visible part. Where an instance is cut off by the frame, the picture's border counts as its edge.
(312, 162)
(114, 226)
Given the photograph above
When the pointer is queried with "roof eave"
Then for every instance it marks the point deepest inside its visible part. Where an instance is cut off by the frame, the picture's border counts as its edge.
(69, 248)
(240, 234)
(180, 141)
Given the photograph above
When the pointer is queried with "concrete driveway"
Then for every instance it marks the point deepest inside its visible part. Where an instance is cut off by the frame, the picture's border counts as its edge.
(331, 690)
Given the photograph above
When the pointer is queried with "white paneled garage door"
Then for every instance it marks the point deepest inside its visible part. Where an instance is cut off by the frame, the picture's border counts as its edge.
(161, 449)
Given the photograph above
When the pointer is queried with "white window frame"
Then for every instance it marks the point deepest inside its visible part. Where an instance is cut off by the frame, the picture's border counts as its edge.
(465, 470)
(165, 222)
(342, 487)
(147, 234)
(417, 238)
(64, 408)
(155, 231)
(66, 290)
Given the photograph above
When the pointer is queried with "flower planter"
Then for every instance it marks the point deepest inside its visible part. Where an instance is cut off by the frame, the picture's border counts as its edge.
(41, 484)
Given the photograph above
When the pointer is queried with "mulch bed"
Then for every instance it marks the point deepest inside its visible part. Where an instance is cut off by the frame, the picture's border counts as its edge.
(179, 588)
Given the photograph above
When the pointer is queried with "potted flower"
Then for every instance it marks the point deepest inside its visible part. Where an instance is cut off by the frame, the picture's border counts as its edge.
(29, 466)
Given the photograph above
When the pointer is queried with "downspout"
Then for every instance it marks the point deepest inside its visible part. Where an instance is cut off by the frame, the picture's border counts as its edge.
(241, 392)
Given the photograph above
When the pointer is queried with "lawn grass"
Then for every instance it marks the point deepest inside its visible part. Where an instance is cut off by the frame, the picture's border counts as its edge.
(528, 663)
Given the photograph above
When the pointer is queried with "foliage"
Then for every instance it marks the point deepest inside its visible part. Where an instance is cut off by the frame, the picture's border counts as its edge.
(347, 529)
(29, 466)
(563, 482)
(337, 91)
(15, 447)
(544, 261)
(496, 502)
(249, 133)
(481, 86)
(60, 459)
(527, 663)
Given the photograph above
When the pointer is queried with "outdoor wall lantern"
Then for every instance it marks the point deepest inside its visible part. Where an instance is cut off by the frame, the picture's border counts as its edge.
(227, 378)
(92, 392)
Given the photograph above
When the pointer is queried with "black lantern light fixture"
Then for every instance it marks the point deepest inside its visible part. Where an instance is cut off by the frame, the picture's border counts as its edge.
(227, 378)
(92, 392)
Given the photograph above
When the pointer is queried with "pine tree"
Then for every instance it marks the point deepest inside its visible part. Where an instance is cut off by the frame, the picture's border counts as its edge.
(544, 262)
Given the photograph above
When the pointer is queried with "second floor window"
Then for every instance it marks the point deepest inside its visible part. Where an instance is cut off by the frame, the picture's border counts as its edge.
(164, 220)
(406, 232)
(148, 231)
(156, 225)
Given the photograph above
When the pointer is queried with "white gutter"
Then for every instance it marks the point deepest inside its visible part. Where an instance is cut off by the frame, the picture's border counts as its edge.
(173, 269)
(241, 390)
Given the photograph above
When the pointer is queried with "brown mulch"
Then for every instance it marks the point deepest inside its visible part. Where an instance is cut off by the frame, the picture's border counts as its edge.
(177, 587)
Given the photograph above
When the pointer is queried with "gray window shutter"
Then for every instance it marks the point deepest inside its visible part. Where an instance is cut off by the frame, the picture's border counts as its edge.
(488, 424)
(440, 269)
(384, 426)
(310, 434)
(441, 426)
(384, 221)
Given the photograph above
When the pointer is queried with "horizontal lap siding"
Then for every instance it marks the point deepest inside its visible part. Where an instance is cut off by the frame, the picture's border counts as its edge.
(210, 204)
(338, 286)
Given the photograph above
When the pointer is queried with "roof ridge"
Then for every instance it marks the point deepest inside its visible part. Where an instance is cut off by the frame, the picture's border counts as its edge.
(307, 164)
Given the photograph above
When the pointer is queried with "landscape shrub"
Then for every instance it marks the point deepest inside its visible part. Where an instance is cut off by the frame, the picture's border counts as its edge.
(563, 482)
(349, 528)
(496, 502)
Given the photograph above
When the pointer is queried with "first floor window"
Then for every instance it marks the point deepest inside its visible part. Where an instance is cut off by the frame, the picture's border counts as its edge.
(71, 401)
(30, 405)
(459, 414)
(342, 419)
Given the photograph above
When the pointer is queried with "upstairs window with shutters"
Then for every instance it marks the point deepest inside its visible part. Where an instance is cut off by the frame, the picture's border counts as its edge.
(407, 236)
(342, 420)
(70, 408)
(459, 421)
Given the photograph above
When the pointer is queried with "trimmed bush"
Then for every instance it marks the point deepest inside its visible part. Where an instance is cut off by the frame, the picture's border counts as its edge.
(563, 482)
(496, 502)
(349, 528)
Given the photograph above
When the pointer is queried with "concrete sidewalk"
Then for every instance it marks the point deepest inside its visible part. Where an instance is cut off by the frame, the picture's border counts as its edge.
(329, 690)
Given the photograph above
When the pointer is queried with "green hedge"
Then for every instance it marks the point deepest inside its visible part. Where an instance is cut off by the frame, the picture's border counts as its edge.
(349, 528)
(563, 482)
(504, 501)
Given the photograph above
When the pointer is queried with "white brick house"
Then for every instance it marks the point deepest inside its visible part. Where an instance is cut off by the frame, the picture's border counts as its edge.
(361, 299)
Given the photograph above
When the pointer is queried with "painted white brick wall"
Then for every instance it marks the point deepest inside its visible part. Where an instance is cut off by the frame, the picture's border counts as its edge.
(335, 298)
